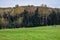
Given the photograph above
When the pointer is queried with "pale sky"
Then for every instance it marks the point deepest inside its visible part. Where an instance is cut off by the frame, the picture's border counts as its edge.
(11, 3)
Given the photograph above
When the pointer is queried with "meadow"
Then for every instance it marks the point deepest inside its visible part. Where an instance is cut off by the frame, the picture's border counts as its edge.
(35, 33)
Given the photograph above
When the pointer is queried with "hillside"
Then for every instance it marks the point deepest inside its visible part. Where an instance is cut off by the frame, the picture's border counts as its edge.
(20, 9)
(29, 16)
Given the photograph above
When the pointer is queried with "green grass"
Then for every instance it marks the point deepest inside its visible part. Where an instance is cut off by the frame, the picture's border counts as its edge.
(37, 33)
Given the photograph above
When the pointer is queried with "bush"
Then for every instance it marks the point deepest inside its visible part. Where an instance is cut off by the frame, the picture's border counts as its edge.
(1, 25)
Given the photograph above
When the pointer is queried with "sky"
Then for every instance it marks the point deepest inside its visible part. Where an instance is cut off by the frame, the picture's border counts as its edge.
(12, 3)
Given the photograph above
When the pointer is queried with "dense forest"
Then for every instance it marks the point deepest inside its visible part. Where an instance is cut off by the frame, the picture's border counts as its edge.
(28, 16)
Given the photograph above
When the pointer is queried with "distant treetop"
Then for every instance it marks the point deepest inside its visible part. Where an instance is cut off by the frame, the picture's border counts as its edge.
(17, 5)
(43, 5)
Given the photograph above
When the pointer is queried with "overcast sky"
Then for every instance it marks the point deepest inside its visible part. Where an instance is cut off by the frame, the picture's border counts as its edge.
(11, 3)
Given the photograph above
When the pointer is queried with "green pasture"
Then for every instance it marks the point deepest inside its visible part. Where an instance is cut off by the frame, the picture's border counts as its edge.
(35, 33)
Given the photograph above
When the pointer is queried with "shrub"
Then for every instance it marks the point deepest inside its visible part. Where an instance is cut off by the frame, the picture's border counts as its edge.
(1, 25)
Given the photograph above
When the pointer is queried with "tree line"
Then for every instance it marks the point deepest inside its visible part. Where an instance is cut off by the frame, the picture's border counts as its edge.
(30, 21)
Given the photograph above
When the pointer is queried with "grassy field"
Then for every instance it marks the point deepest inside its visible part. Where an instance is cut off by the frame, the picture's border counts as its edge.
(37, 33)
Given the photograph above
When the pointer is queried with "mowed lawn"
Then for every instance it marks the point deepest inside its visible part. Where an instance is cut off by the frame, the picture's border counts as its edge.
(37, 33)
